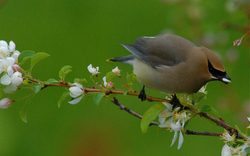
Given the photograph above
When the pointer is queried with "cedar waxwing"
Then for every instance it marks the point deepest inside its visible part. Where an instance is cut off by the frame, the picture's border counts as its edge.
(172, 64)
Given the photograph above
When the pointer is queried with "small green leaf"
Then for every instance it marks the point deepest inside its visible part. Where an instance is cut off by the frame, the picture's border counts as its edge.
(51, 80)
(131, 78)
(38, 57)
(150, 115)
(63, 97)
(26, 81)
(98, 97)
(197, 97)
(80, 81)
(37, 88)
(206, 108)
(24, 110)
(25, 55)
(110, 76)
(64, 71)
(247, 150)
(125, 93)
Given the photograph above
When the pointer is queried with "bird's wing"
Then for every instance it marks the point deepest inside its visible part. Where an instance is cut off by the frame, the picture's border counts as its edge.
(161, 50)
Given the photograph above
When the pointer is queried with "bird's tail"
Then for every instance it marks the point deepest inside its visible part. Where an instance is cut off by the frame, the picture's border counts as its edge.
(125, 59)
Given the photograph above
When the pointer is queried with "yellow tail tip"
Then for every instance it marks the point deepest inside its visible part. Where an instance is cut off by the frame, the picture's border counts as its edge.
(110, 60)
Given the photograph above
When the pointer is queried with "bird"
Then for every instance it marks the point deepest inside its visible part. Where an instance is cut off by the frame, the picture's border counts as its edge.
(172, 64)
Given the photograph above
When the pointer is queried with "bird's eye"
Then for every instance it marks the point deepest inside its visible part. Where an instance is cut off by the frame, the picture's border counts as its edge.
(215, 72)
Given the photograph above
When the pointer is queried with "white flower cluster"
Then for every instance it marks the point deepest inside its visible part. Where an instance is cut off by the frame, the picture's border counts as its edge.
(77, 91)
(11, 75)
(237, 151)
(174, 121)
(8, 66)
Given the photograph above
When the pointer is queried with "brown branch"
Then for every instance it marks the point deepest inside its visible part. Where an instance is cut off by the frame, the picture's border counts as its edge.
(220, 122)
(115, 101)
(107, 92)
(188, 132)
(223, 124)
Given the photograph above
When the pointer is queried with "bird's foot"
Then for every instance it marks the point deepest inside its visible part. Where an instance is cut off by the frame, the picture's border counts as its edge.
(174, 101)
(142, 94)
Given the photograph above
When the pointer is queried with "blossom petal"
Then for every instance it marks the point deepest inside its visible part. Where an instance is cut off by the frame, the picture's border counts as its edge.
(3, 43)
(104, 81)
(10, 71)
(12, 46)
(10, 61)
(4, 51)
(75, 91)
(167, 123)
(16, 78)
(169, 106)
(5, 80)
(5, 103)
(225, 150)
(78, 85)
(181, 139)
(75, 101)
(175, 137)
(10, 89)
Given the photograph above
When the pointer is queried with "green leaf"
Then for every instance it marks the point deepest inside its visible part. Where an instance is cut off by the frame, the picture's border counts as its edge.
(64, 71)
(110, 76)
(63, 97)
(210, 110)
(131, 78)
(98, 97)
(197, 97)
(24, 110)
(125, 93)
(247, 150)
(38, 57)
(80, 81)
(206, 108)
(150, 115)
(25, 55)
(51, 80)
(26, 81)
(37, 88)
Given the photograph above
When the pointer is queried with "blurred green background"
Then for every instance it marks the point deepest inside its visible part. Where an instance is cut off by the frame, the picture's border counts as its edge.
(78, 33)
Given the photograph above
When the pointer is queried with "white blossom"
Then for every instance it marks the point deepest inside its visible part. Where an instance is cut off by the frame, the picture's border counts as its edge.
(76, 92)
(16, 78)
(165, 114)
(116, 70)
(92, 70)
(177, 128)
(5, 103)
(109, 84)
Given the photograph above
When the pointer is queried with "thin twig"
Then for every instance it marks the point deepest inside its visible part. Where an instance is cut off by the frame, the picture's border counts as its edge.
(222, 124)
(115, 101)
(188, 132)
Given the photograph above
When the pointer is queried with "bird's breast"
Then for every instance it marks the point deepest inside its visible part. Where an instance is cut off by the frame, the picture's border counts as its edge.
(182, 78)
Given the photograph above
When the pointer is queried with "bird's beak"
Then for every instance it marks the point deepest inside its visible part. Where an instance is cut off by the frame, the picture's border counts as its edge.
(225, 79)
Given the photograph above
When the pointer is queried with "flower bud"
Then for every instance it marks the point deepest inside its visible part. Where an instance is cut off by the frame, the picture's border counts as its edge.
(16, 78)
(116, 70)
(5, 103)
(16, 68)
